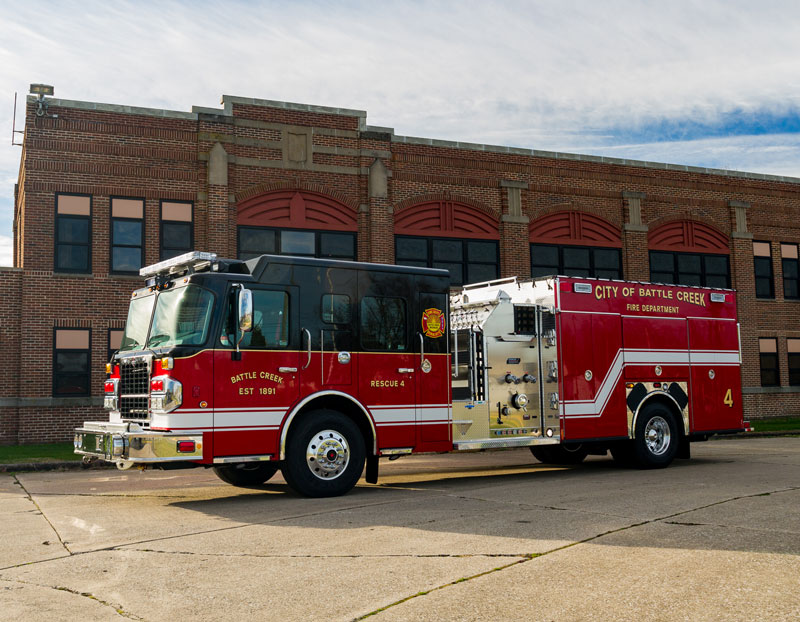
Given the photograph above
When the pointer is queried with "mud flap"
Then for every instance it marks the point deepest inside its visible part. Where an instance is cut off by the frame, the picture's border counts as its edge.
(684, 448)
(372, 470)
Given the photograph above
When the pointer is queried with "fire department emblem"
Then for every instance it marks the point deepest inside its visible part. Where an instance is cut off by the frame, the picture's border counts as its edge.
(433, 323)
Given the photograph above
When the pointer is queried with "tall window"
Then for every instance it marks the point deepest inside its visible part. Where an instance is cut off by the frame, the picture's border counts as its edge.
(791, 271)
(71, 362)
(177, 231)
(255, 241)
(468, 261)
(73, 252)
(114, 341)
(793, 349)
(603, 263)
(768, 357)
(127, 234)
(762, 265)
(700, 269)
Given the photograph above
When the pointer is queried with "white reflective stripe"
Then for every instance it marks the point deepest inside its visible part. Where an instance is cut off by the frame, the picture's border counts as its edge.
(182, 419)
(433, 414)
(656, 357)
(247, 418)
(714, 357)
(635, 356)
(385, 415)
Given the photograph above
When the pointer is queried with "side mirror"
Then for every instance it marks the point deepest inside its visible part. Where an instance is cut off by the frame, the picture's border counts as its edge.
(245, 310)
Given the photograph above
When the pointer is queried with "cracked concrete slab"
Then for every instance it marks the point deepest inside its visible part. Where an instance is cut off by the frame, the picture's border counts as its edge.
(27, 536)
(438, 524)
(34, 603)
(471, 536)
(653, 572)
(166, 586)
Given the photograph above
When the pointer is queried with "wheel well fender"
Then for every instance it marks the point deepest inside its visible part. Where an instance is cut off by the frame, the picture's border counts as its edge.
(665, 399)
(340, 402)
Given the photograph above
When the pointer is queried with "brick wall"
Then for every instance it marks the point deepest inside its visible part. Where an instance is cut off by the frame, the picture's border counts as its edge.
(106, 151)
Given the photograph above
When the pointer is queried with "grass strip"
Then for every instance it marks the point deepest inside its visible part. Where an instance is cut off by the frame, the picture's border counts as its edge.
(776, 424)
(49, 452)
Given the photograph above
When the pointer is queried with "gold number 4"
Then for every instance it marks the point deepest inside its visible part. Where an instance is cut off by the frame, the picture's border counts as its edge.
(728, 399)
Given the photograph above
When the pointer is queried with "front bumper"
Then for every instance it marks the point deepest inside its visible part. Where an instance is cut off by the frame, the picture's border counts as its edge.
(127, 444)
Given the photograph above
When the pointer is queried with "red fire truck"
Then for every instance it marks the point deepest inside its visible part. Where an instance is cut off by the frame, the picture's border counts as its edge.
(316, 367)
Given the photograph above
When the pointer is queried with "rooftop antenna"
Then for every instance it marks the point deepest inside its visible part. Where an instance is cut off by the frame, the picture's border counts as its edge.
(14, 130)
(40, 90)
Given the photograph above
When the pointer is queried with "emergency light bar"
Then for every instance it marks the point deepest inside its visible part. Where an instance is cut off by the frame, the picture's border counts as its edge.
(181, 261)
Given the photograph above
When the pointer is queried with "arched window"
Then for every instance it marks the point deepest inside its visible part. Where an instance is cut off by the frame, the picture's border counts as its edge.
(686, 252)
(296, 222)
(575, 244)
(451, 235)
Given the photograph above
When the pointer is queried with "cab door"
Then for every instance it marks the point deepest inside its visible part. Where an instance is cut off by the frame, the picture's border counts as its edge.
(433, 405)
(255, 387)
(387, 365)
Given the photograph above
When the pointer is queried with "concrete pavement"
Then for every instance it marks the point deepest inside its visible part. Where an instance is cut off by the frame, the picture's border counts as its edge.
(485, 536)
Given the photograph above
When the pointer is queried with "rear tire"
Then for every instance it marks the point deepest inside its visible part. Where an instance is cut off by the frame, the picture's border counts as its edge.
(655, 443)
(324, 455)
(246, 473)
(560, 454)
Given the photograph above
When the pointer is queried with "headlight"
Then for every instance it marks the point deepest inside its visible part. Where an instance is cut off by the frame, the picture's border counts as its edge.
(166, 394)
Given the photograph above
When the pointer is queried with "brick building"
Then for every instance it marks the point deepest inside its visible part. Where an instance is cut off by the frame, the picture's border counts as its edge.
(104, 189)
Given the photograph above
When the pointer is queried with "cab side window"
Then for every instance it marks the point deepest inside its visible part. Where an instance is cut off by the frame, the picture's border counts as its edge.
(383, 324)
(270, 321)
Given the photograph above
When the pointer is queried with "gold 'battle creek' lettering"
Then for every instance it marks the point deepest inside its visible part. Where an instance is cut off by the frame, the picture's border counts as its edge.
(257, 375)
(603, 292)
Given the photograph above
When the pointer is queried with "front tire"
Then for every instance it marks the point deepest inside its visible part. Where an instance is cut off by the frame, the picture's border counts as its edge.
(655, 443)
(560, 454)
(324, 455)
(246, 473)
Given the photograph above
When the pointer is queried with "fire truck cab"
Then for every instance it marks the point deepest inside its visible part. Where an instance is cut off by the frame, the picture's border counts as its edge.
(318, 367)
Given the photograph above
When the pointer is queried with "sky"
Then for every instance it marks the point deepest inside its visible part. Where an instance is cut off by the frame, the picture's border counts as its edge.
(708, 83)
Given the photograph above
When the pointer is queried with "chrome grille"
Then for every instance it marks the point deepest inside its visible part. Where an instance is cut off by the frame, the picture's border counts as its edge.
(134, 387)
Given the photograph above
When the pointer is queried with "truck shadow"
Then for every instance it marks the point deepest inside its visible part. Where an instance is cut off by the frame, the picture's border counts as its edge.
(691, 505)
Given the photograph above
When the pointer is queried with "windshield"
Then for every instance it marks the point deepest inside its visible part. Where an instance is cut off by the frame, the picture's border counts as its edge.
(139, 314)
(181, 318)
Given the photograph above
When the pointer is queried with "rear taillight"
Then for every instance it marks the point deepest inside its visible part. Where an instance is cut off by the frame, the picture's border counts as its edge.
(186, 447)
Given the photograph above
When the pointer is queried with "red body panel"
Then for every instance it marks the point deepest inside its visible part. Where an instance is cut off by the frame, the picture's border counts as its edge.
(628, 333)
(619, 334)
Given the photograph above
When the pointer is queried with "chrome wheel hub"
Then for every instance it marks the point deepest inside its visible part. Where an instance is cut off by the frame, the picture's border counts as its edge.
(327, 454)
(657, 436)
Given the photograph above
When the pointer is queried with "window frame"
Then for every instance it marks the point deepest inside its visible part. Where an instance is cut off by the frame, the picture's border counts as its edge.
(592, 267)
(318, 233)
(703, 273)
(56, 350)
(797, 268)
(771, 276)
(111, 245)
(59, 218)
(793, 357)
(764, 368)
(162, 221)
(465, 262)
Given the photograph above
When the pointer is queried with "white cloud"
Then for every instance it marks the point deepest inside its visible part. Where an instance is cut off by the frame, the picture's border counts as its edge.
(539, 74)
(6, 251)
